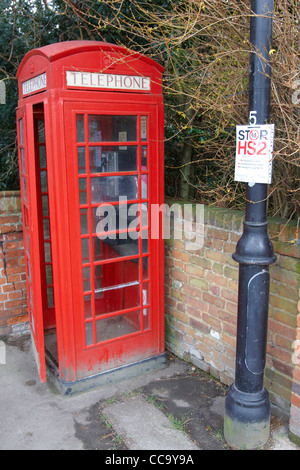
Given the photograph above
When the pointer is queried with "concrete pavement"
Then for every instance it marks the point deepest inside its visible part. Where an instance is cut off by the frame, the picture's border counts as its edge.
(176, 408)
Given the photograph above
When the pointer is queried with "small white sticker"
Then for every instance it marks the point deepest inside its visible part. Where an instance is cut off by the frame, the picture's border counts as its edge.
(143, 127)
(2, 92)
(123, 138)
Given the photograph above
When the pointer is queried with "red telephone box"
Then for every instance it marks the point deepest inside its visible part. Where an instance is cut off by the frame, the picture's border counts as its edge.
(90, 134)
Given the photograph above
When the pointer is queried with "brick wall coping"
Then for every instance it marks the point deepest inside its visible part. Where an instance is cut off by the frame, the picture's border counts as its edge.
(15, 193)
(280, 230)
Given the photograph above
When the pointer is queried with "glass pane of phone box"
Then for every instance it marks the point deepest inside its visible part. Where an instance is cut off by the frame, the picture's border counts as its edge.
(113, 159)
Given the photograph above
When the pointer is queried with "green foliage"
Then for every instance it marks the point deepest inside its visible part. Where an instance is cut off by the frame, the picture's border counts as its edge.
(24, 25)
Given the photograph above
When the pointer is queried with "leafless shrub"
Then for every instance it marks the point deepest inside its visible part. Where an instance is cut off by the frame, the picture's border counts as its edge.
(204, 47)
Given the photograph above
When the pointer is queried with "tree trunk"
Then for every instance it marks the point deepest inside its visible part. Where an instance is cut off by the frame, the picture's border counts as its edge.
(185, 170)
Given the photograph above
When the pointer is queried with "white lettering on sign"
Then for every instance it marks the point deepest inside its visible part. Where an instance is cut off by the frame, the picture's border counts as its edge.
(111, 81)
(254, 147)
(34, 84)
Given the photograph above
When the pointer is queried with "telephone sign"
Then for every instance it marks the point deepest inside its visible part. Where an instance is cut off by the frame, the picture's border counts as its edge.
(254, 146)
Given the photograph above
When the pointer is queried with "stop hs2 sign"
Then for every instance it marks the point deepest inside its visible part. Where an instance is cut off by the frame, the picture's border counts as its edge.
(254, 146)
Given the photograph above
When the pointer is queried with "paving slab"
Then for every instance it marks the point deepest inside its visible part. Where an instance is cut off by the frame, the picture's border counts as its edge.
(144, 427)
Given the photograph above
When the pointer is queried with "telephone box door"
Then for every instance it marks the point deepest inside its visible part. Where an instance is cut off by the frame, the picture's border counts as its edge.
(30, 198)
(113, 180)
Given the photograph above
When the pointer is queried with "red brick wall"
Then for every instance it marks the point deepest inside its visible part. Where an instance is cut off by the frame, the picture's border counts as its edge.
(13, 303)
(201, 299)
(295, 397)
(201, 305)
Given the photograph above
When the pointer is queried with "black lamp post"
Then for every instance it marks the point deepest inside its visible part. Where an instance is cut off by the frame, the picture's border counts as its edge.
(247, 407)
